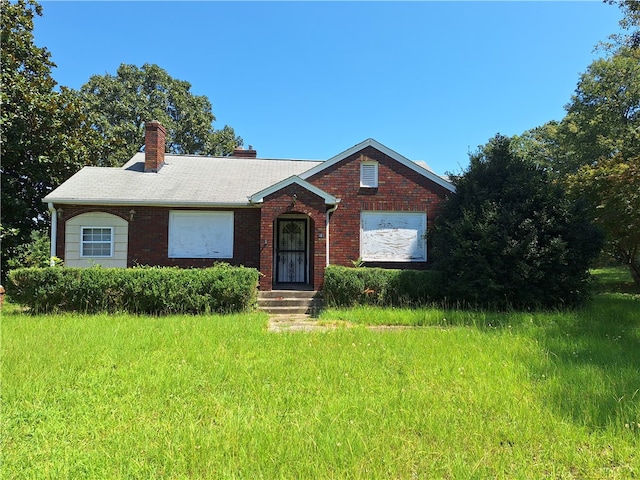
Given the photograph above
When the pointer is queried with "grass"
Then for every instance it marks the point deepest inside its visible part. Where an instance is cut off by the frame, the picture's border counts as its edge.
(616, 280)
(478, 395)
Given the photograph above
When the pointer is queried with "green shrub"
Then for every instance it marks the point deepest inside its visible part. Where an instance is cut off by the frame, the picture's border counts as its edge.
(511, 238)
(36, 253)
(348, 287)
(151, 290)
(414, 287)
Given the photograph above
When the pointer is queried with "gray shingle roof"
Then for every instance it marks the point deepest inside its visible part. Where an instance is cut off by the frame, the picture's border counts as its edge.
(201, 181)
(183, 180)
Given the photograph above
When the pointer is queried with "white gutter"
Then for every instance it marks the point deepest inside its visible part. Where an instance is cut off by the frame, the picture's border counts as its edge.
(54, 232)
(330, 211)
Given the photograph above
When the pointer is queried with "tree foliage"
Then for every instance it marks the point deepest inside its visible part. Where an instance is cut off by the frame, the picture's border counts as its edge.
(594, 149)
(630, 22)
(544, 145)
(603, 124)
(510, 237)
(44, 137)
(613, 187)
(37, 253)
(120, 104)
(603, 117)
(602, 120)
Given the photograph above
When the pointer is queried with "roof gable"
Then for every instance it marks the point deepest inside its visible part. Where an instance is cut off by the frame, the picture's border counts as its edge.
(259, 196)
(370, 142)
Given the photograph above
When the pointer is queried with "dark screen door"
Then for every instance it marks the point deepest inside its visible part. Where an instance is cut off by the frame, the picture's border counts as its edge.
(291, 254)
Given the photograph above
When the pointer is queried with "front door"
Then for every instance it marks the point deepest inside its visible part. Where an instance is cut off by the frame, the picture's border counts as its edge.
(291, 251)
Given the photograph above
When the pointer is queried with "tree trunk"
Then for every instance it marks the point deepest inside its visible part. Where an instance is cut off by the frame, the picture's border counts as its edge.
(632, 260)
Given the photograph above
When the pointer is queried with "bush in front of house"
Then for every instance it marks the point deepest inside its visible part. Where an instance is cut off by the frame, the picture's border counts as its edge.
(510, 237)
(144, 290)
(348, 287)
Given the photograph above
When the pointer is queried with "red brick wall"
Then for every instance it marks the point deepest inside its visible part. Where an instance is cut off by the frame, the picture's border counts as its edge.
(399, 189)
(149, 235)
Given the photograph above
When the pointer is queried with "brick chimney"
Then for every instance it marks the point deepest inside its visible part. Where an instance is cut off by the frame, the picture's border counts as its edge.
(240, 152)
(154, 145)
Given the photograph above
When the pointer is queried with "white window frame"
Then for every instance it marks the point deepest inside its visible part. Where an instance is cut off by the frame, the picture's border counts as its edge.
(392, 217)
(84, 242)
(221, 226)
(369, 174)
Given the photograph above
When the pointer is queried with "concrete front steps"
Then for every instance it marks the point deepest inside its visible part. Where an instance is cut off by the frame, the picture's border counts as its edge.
(290, 302)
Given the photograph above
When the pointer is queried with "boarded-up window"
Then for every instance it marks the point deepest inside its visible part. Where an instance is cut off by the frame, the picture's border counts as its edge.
(200, 234)
(369, 174)
(393, 236)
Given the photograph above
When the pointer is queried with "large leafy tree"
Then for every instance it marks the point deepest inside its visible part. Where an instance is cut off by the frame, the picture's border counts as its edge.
(120, 104)
(602, 135)
(44, 137)
(602, 120)
(603, 125)
(595, 149)
(603, 116)
(510, 237)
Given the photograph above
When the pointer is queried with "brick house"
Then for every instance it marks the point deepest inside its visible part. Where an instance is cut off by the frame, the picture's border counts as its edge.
(287, 218)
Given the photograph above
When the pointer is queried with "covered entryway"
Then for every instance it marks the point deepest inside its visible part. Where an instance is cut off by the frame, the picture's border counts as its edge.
(292, 251)
(293, 235)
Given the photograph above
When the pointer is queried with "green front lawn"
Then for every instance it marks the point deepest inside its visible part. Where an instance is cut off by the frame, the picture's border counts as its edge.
(476, 395)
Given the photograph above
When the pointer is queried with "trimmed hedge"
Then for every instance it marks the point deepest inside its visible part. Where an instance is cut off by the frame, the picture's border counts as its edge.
(149, 290)
(348, 287)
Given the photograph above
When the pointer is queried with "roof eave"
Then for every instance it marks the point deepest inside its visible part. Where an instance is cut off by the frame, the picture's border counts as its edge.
(131, 203)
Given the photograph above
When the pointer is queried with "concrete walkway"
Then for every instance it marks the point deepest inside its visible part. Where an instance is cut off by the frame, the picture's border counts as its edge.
(307, 323)
(301, 323)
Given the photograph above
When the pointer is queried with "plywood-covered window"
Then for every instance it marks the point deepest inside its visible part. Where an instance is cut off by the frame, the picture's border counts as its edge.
(200, 234)
(393, 236)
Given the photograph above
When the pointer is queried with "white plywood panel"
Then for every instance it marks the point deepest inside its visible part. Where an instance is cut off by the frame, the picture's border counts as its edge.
(200, 234)
(393, 236)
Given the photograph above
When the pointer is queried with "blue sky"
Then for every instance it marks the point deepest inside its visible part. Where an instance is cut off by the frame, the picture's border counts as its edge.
(430, 80)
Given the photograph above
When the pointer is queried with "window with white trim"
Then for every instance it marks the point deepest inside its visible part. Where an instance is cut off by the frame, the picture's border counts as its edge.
(369, 174)
(393, 236)
(200, 234)
(96, 242)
